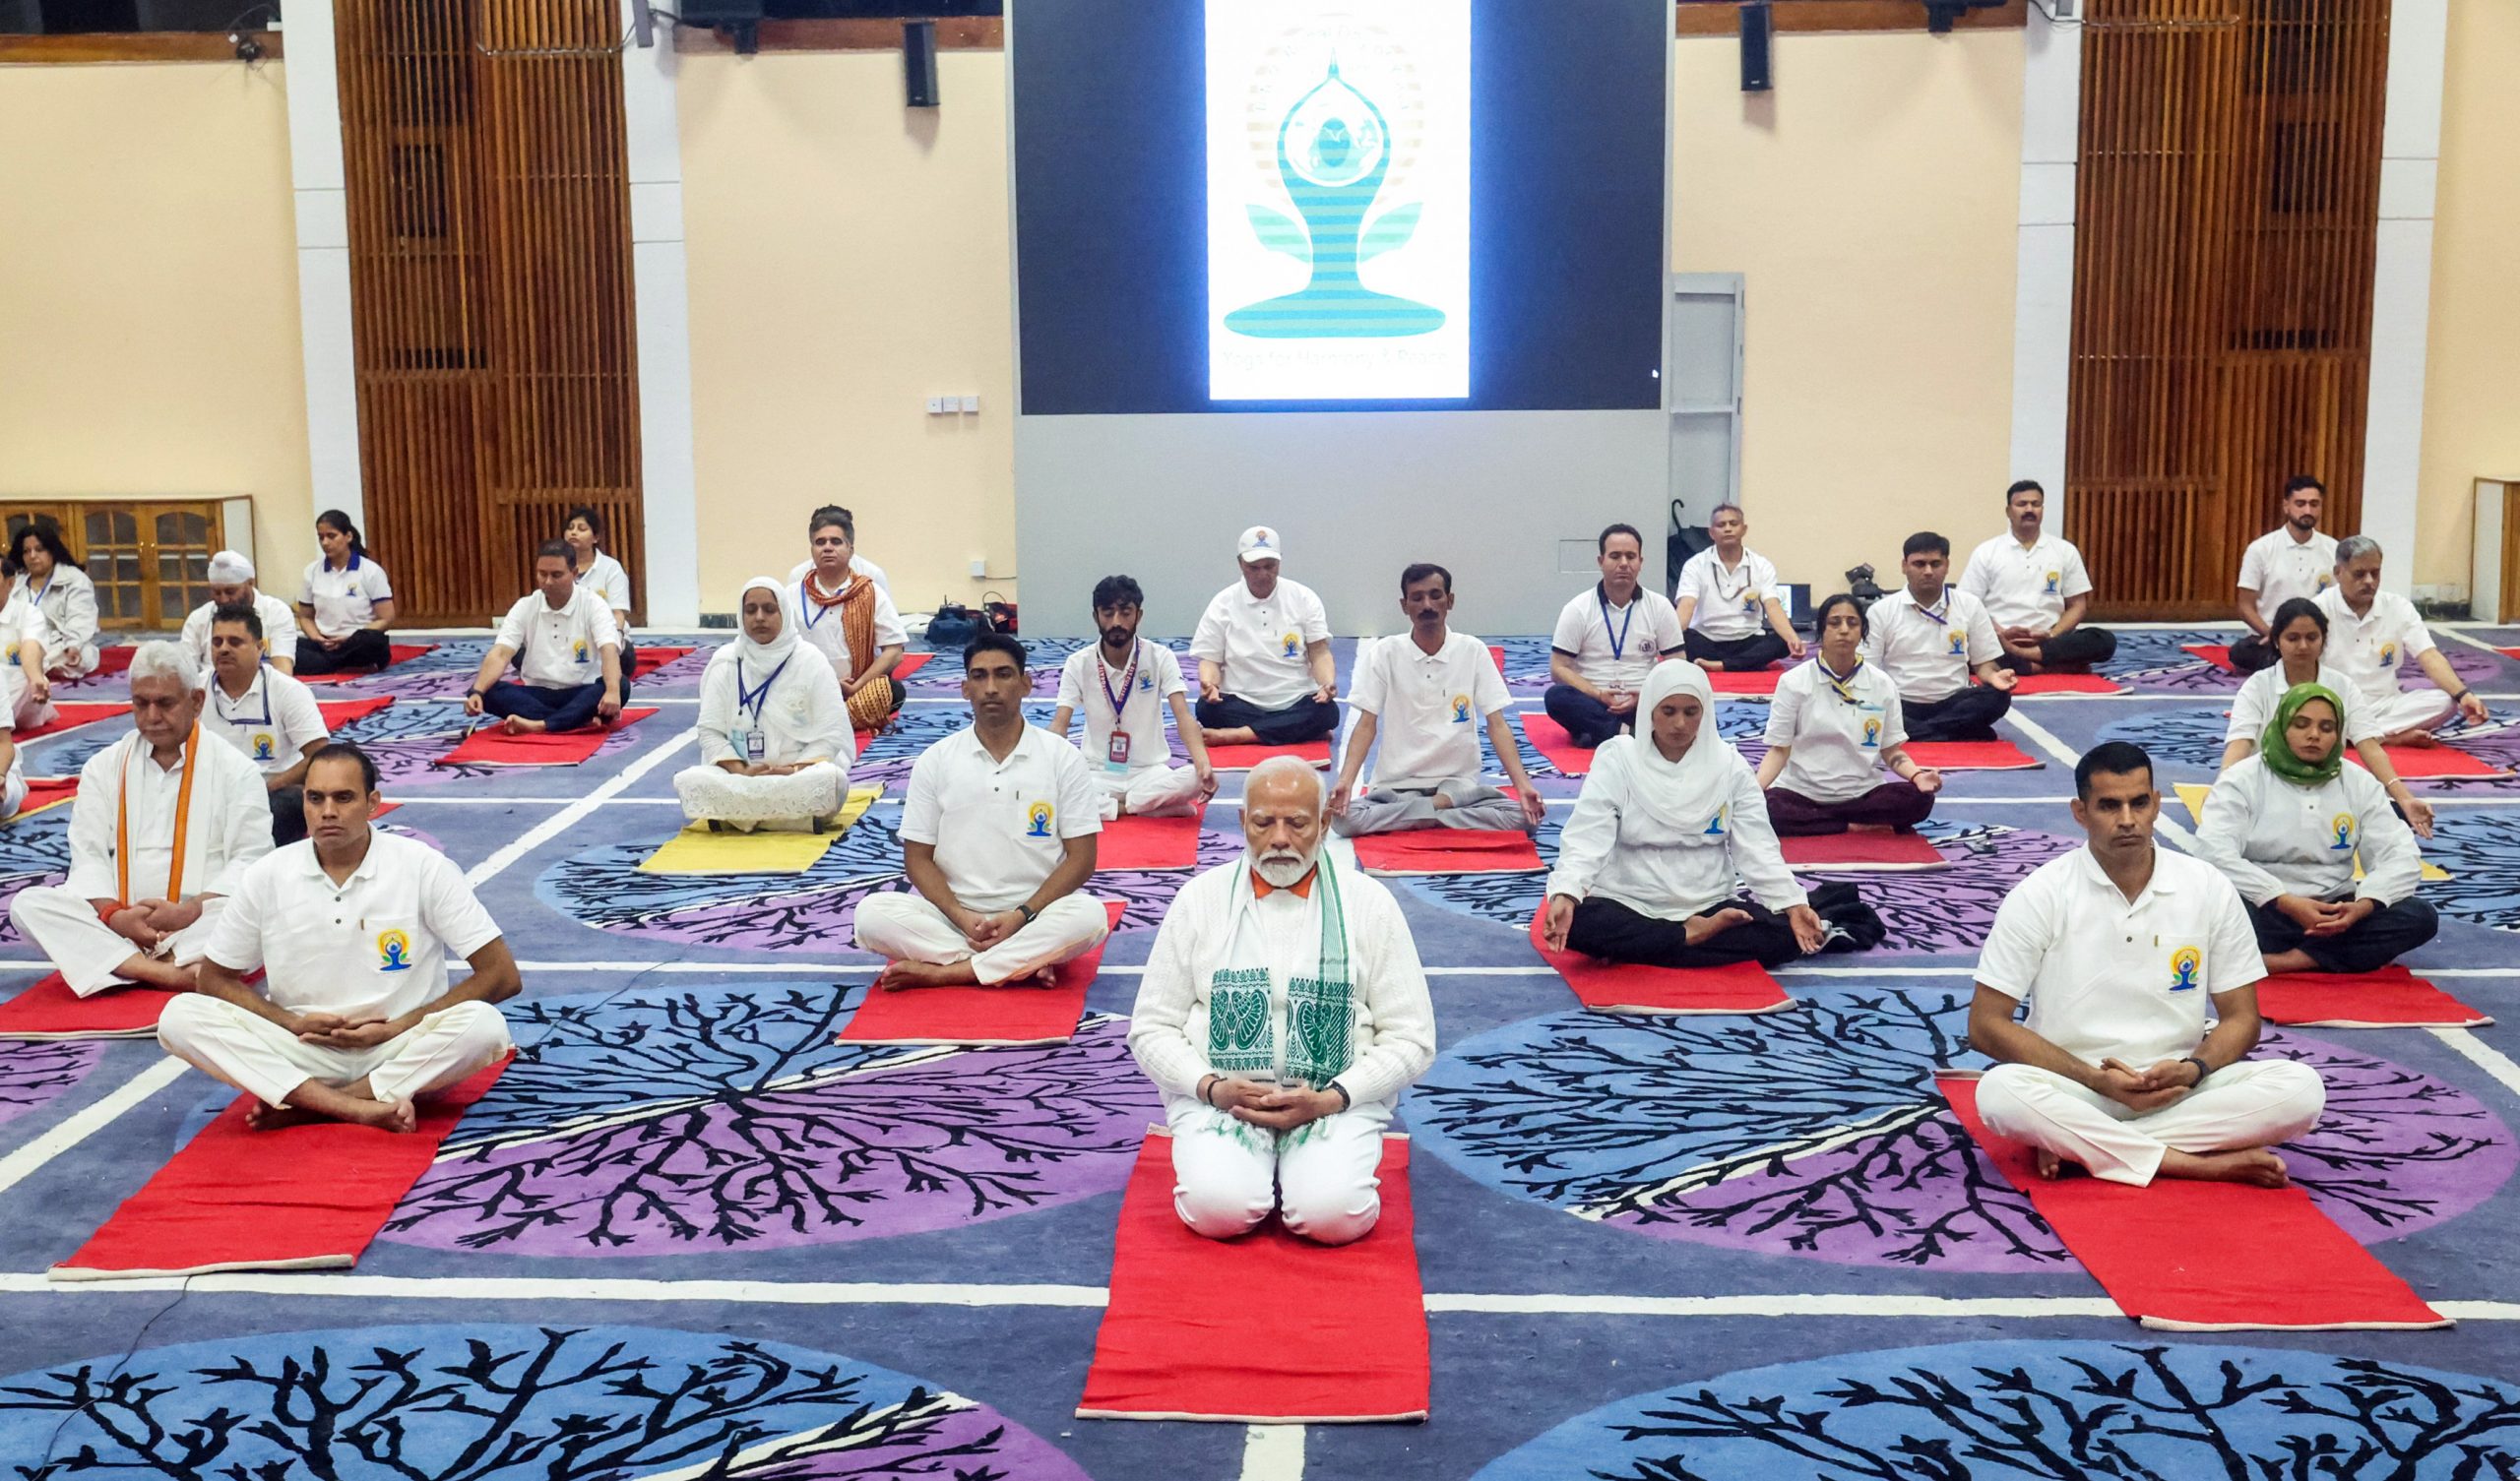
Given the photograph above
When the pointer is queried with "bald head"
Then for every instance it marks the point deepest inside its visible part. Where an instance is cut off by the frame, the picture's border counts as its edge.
(1282, 807)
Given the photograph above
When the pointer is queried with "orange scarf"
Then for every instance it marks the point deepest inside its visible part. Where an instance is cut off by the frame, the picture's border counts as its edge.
(183, 820)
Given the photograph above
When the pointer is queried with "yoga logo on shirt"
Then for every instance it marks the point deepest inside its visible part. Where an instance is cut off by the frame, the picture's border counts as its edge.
(1461, 709)
(2185, 965)
(1714, 824)
(2053, 578)
(1959, 644)
(578, 650)
(2342, 823)
(1037, 821)
(393, 952)
(263, 746)
(1871, 734)
(2388, 653)
(1290, 645)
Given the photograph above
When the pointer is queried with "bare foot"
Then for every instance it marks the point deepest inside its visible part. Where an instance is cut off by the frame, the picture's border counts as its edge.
(2291, 962)
(1711, 665)
(2254, 1166)
(2051, 1167)
(528, 727)
(386, 1115)
(1704, 928)
(903, 975)
(1239, 735)
(263, 1118)
(2421, 739)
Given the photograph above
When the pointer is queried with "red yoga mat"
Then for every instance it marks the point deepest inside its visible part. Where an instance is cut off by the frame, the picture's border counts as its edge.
(486, 747)
(49, 1009)
(1751, 681)
(1626, 987)
(1866, 849)
(910, 663)
(1498, 655)
(1448, 850)
(2066, 684)
(865, 738)
(48, 791)
(1555, 745)
(2217, 653)
(1135, 842)
(340, 712)
(1972, 756)
(650, 659)
(112, 661)
(305, 1197)
(997, 1016)
(2416, 762)
(1244, 758)
(400, 652)
(2390, 998)
(70, 715)
(1168, 1349)
(2508, 652)
(2183, 1256)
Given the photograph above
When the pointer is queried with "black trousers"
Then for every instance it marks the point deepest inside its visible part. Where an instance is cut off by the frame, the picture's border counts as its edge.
(2387, 934)
(1736, 654)
(1304, 720)
(365, 649)
(1968, 715)
(556, 709)
(288, 816)
(2252, 653)
(2080, 648)
(629, 661)
(1613, 932)
(1585, 721)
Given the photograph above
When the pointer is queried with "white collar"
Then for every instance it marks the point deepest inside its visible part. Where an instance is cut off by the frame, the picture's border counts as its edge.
(2162, 881)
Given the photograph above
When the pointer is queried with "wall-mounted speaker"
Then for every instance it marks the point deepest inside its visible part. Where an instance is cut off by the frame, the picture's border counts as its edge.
(1758, 46)
(919, 62)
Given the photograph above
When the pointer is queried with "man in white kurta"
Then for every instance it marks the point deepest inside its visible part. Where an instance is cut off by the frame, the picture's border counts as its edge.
(2370, 633)
(352, 928)
(2294, 559)
(1266, 676)
(1122, 686)
(567, 652)
(231, 584)
(1931, 638)
(270, 718)
(2119, 948)
(1731, 610)
(1282, 1013)
(2036, 590)
(165, 821)
(1419, 698)
(1607, 640)
(997, 837)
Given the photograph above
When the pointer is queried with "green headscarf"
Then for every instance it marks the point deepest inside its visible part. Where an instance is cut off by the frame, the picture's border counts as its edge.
(2276, 745)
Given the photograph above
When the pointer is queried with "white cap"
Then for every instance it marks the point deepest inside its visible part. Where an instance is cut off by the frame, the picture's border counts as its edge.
(230, 569)
(1260, 544)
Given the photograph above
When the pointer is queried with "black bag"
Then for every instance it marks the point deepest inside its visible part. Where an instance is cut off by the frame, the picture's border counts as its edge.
(1859, 927)
(955, 624)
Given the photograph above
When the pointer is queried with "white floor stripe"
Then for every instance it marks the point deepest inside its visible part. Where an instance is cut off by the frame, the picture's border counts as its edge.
(2483, 1055)
(88, 1121)
(560, 822)
(1273, 1452)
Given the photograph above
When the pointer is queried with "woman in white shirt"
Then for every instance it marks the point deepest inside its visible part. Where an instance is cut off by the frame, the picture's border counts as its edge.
(774, 738)
(2287, 826)
(47, 580)
(348, 605)
(2298, 636)
(601, 575)
(1833, 724)
(1669, 823)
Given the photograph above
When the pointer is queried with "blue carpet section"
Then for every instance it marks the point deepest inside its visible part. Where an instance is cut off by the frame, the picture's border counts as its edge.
(689, 1235)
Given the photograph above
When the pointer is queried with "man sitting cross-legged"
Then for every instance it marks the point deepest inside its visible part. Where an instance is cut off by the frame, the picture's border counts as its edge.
(567, 653)
(1266, 678)
(351, 928)
(1121, 686)
(1282, 1013)
(997, 837)
(1423, 696)
(2119, 948)
(165, 819)
(268, 717)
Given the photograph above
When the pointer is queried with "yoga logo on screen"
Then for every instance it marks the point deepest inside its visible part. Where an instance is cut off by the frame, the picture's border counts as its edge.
(1338, 200)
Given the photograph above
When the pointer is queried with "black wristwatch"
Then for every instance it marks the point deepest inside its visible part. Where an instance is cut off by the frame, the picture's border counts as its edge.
(1029, 913)
(2202, 1069)
(1345, 1100)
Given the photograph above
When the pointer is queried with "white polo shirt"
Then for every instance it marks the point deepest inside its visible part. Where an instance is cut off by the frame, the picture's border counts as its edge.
(1008, 819)
(279, 629)
(562, 649)
(1837, 741)
(2106, 978)
(1260, 642)
(1615, 648)
(1146, 683)
(2279, 568)
(608, 581)
(270, 723)
(1427, 707)
(2369, 649)
(827, 633)
(1928, 651)
(375, 944)
(2255, 703)
(1731, 604)
(345, 600)
(2026, 586)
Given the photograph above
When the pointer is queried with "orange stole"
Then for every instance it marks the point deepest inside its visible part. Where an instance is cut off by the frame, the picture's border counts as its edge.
(869, 708)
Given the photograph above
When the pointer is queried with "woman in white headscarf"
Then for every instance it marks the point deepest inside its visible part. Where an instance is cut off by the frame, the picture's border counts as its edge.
(1671, 823)
(775, 742)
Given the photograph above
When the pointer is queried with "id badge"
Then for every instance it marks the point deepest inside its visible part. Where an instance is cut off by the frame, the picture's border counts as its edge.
(1116, 752)
(750, 742)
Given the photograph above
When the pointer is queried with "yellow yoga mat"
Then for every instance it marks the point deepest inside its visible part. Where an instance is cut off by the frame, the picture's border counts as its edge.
(697, 850)
(2194, 796)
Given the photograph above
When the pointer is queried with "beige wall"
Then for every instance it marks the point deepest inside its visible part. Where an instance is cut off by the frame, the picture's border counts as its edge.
(149, 292)
(1872, 201)
(849, 259)
(2471, 372)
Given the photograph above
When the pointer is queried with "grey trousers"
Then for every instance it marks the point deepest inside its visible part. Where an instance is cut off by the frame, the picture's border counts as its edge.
(1392, 809)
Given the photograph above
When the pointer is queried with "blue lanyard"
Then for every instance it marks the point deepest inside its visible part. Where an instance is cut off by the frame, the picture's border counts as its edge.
(1939, 620)
(1845, 686)
(812, 611)
(241, 719)
(1102, 673)
(1618, 640)
(754, 699)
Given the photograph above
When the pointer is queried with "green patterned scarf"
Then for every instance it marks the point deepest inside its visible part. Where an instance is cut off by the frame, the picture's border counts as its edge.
(1242, 1032)
(2276, 745)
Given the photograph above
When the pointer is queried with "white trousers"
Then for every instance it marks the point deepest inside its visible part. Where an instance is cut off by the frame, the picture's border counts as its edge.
(12, 792)
(70, 660)
(1149, 791)
(2419, 709)
(1228, 1175)
(64, 926)
(257, 1056)
(2253, 1103)
(907, 928)
(28, 712)
(794, 799)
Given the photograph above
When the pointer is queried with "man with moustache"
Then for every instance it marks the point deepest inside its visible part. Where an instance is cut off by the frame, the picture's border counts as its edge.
(1282, 1013)
(1122, 685)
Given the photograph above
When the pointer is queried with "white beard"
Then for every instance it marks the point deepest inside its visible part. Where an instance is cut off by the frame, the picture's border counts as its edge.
(1283, 871)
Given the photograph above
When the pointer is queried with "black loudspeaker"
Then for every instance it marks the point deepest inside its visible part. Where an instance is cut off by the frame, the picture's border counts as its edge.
(919, 62)
(1758, 46)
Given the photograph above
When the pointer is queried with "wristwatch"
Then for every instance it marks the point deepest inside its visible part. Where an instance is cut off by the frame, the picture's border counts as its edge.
(1029, 913)
(2202, 1069)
